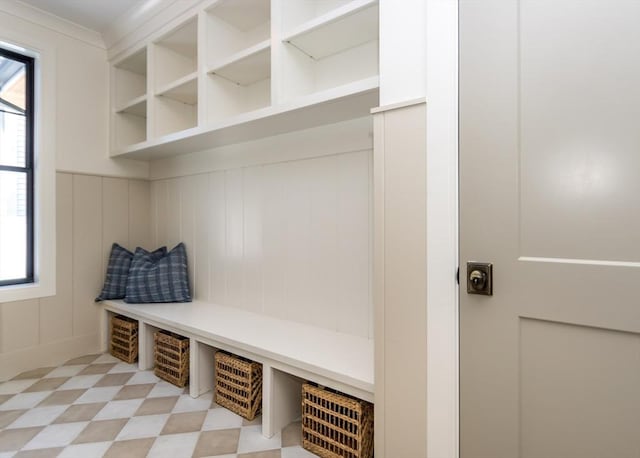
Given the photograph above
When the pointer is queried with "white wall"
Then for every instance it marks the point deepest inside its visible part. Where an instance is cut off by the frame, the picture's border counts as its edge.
(92, 213)
(289, 238)
(79, 75)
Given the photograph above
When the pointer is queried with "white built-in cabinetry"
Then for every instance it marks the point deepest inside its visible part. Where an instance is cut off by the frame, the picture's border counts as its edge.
(238, 70)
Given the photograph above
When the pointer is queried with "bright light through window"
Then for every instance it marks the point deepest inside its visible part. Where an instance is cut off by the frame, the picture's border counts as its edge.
(16, 168)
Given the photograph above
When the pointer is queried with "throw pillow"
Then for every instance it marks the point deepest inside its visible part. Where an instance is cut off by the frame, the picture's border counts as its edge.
(158, 279)
(115, 283)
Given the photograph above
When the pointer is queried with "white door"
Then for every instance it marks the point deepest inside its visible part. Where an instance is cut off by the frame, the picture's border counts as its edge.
(550, 194)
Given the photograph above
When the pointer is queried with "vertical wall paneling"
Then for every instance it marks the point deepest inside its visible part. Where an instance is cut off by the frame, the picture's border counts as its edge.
(140, 208)
(91, 213)
(353, 262)
(56, 311)
(217, 238)
(87, 252)
(187, 195)
(20, 325)
(274, 243)
(323, 243)
(200, 254)
(297, 232)
(234, 254)
(173, 213)
(291, 239)
(115, 216)
(252, 238)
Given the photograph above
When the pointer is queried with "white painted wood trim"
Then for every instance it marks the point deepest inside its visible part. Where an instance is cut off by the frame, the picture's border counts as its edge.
(395, 106)
(442, 228)
(51, 22)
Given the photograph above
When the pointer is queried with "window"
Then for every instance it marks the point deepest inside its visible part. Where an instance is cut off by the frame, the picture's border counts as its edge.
(16, 168)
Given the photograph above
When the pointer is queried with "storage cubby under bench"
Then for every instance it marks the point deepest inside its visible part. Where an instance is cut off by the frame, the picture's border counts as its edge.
(290, 352)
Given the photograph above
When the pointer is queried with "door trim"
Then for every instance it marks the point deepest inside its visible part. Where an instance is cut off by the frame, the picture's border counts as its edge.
(442, 228)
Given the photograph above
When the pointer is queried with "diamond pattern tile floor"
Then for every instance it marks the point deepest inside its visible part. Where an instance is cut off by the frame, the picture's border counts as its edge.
(99, 406)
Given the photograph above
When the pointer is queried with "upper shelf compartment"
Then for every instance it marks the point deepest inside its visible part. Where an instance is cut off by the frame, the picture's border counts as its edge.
(233, 26)
(176, 54)
(347, 26)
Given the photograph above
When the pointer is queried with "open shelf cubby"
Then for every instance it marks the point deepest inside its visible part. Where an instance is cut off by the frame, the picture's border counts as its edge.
(333, 47)
(176, 54)
(130, 99)
(238, 58)
(176, 80)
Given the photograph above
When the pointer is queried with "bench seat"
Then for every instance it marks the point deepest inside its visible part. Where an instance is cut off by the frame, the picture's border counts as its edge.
(285, 348)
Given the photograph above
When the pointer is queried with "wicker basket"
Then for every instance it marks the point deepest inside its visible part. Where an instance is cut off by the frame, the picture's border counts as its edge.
(335, 425)
(238, 385)
(124, 338)
(172, 357)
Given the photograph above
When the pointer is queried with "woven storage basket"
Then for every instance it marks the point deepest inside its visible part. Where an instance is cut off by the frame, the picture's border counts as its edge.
(124, 338)
(335, 425)
(238, 385)
(172, 357)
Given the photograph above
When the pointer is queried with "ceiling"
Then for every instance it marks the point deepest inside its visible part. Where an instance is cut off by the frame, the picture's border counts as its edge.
(93, 14)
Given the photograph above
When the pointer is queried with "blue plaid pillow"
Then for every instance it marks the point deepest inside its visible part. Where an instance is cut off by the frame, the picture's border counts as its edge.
(158, 279)
(115, 283)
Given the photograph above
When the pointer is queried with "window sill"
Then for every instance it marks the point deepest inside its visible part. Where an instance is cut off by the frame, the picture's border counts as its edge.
(25, 292)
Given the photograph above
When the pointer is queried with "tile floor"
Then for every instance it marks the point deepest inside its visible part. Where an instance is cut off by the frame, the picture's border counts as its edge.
(98, 406)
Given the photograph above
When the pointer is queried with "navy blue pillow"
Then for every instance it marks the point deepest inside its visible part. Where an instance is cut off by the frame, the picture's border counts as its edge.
(115, 283)
(158, 279)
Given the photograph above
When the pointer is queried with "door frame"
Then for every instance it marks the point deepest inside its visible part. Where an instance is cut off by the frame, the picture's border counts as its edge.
(442, 228)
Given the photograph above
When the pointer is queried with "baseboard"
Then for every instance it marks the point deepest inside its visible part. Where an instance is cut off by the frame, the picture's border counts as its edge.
(53, 354)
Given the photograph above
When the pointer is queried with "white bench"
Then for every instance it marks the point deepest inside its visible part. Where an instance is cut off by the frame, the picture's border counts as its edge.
(288, 351)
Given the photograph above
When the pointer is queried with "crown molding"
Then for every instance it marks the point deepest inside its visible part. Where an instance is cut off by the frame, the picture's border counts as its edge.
(142, 20)
(49, 21)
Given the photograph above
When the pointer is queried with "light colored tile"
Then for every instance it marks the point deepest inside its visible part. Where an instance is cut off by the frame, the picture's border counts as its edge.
(103, 394)
(35, 373)
(85, 450)
(65, 371)
(135, 448)
(56, 435)
(119, 409)
(154, 406)
(163, 389)
(58, 398)
(186, 422)
(188, 404)
(81, 381)
(14, 439)
(80, 412)
(143, 377)
(114, 379)
(47, 384)
(25, 400)
(134, 392)
(100, 431)
(145, 426)
(174, 445)
(9, 416)
(16, 386)
(252, 440)
(40, 416)
(106, 357)
(220, 442)
(221, 419)
(296, 452)
(123, 367)
(94, 369)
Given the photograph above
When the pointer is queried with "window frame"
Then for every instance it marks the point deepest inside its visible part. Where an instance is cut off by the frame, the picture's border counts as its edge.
(28, 168)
